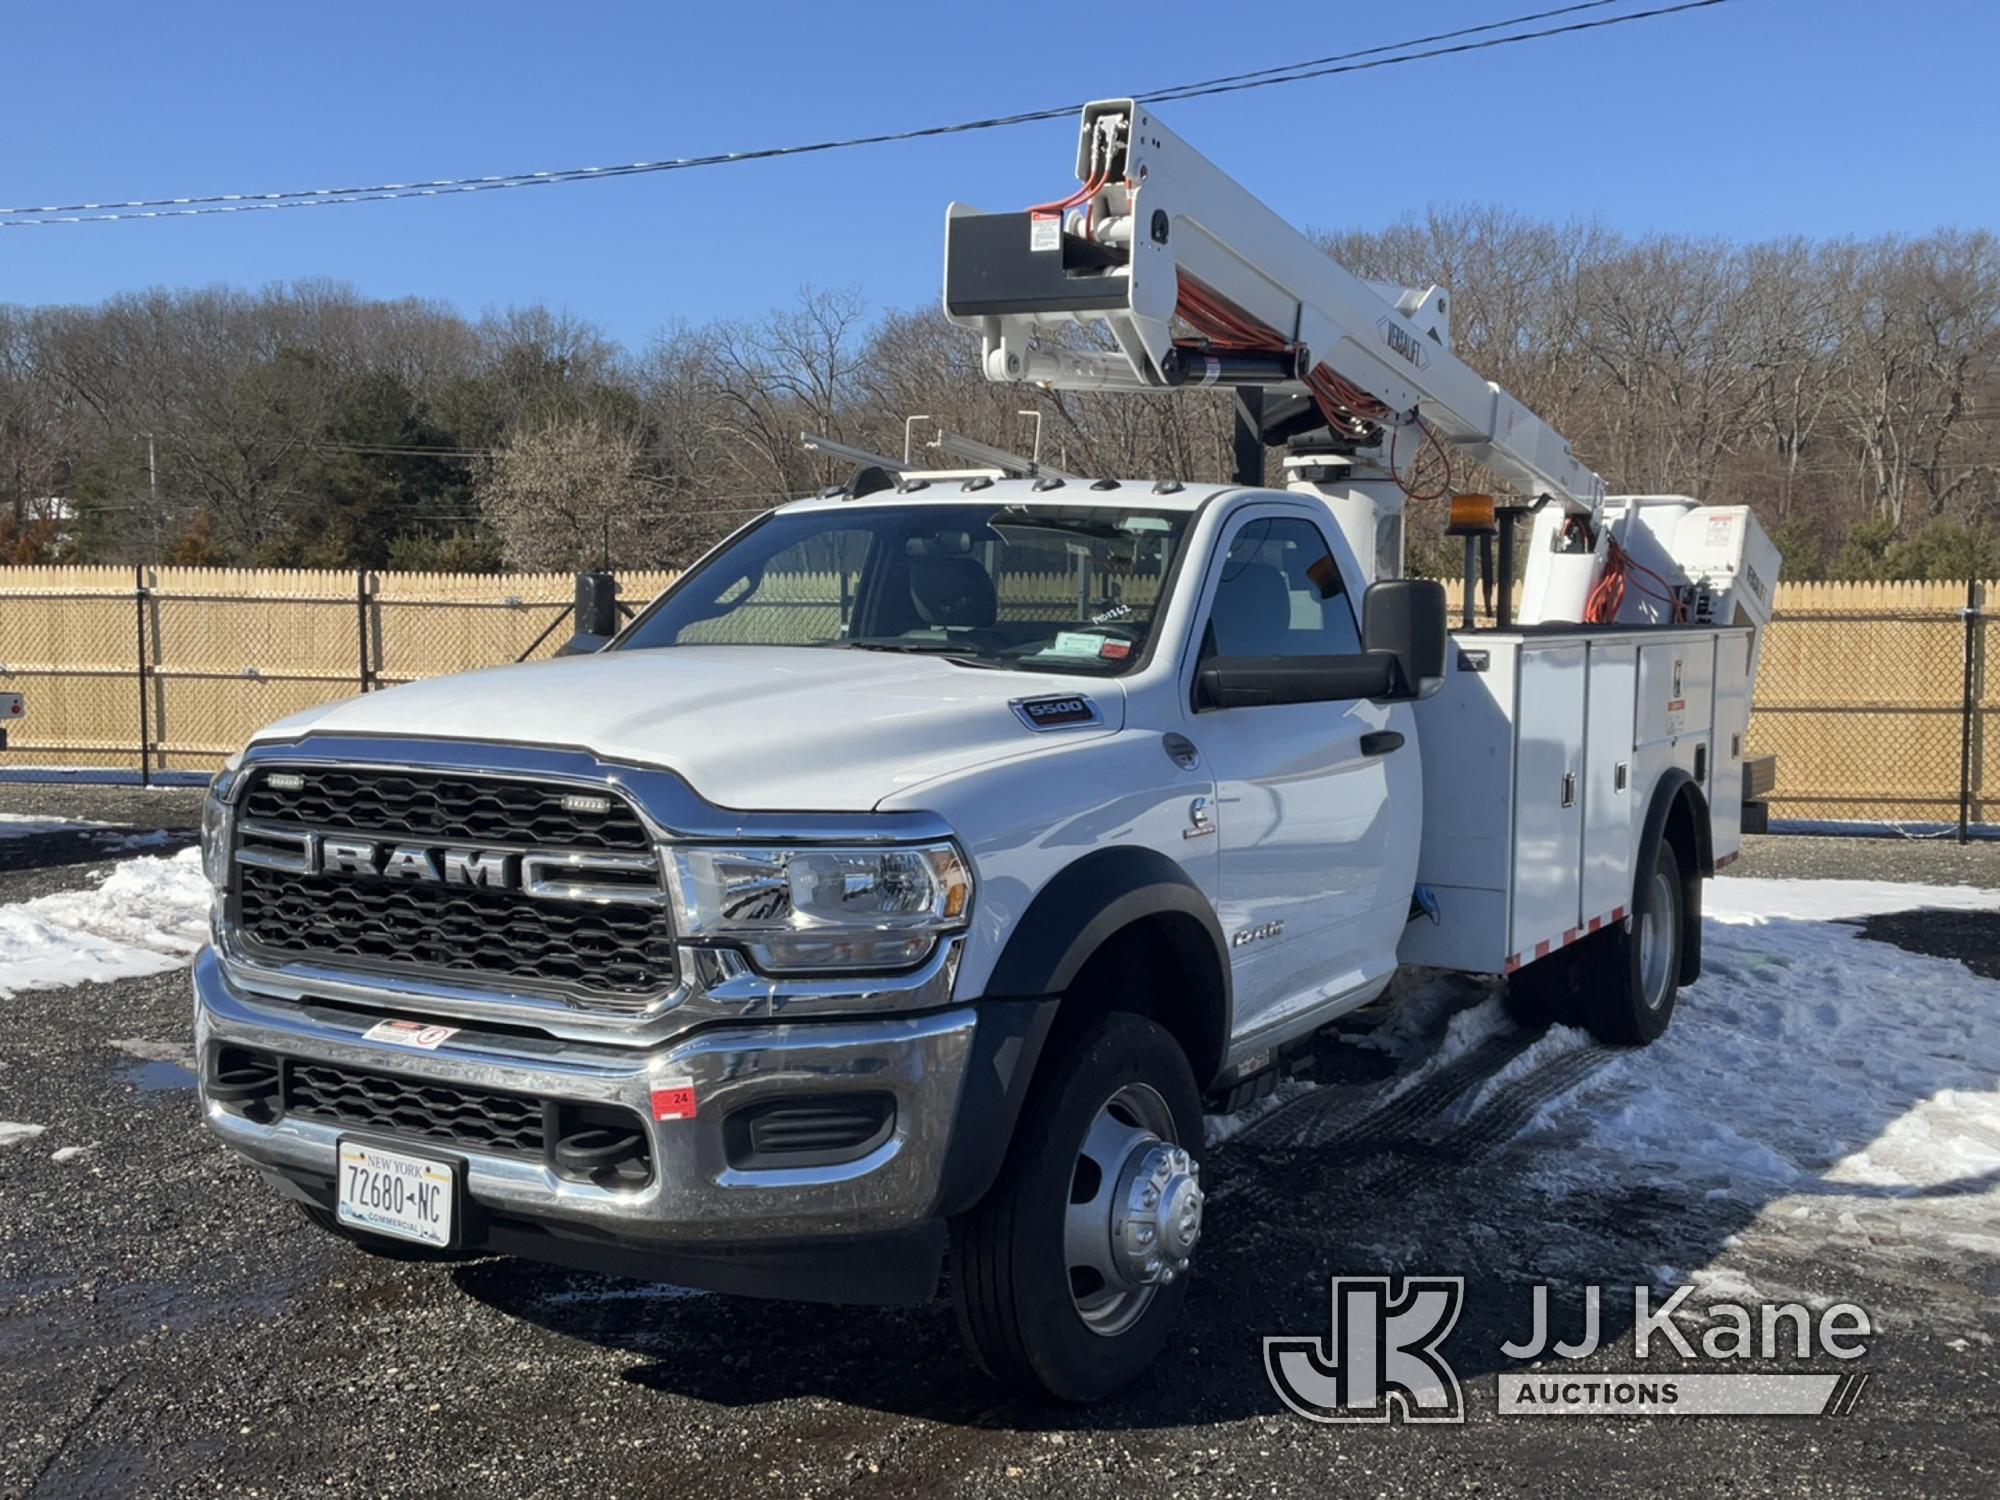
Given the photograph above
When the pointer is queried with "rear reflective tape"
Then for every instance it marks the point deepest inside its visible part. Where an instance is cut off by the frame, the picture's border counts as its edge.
(1574, 934)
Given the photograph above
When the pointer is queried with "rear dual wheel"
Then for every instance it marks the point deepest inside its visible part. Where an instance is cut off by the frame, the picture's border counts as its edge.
(1621, 983)
(1069, 1276)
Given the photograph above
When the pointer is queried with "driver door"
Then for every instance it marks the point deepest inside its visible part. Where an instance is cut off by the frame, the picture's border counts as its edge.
(1317, 801)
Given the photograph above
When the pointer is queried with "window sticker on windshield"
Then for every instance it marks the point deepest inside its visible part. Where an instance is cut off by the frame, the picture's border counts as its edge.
(1075, 643)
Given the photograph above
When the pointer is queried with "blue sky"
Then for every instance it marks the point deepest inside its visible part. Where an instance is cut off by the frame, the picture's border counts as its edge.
(1752, 119)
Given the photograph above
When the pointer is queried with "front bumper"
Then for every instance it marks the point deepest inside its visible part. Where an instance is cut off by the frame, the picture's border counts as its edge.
(696, 1202)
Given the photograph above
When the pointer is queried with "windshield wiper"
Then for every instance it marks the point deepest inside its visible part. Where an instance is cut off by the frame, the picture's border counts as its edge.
(949, 650)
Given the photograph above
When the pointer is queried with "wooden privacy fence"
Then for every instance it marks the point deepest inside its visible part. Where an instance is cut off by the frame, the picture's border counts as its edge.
(1874, 697)
(166, 669)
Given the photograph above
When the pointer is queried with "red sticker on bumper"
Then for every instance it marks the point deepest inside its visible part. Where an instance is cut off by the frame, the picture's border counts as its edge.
(674, 1100)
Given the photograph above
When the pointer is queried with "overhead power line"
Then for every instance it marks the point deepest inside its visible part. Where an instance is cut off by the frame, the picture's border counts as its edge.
(1387, 55)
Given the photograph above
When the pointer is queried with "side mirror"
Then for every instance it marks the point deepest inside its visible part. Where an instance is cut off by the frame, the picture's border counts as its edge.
(595, 614)
(1405, 621)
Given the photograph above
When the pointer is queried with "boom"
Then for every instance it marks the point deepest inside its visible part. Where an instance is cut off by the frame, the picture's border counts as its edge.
(1156, 232)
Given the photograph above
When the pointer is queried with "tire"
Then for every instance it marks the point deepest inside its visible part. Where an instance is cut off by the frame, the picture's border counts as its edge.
(380, 1246)
(1634, 982)
(1549, 992)
(1620, 984)
(1110, 1110)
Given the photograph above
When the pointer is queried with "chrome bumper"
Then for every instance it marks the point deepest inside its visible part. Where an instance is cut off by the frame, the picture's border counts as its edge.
(695, 1197)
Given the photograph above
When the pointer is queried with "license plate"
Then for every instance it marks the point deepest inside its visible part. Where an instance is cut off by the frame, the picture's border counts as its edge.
(393, 1193)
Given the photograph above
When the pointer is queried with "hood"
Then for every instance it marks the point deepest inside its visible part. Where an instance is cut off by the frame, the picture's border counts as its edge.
(753, 728)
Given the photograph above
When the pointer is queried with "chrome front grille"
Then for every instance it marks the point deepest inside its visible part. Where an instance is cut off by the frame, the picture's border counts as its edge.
(302, 890)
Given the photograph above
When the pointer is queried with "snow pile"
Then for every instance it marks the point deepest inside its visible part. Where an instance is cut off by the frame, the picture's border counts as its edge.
(107, 835)
(1424, 1001)
(148, 915)
(1729, 899)
(12, 1133)
(1809, 1064)
(27, 825)
(1219, 1128)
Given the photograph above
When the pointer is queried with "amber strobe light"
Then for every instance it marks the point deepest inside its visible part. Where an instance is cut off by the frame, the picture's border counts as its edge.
(1471, 515)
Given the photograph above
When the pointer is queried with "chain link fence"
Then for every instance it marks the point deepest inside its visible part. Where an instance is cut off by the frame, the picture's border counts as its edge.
(1875, 698)
(165, 670)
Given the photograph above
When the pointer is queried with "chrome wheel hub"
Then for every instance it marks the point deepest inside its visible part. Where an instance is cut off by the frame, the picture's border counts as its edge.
(1158, 1215)
(1134, 1213)
(1656, 940)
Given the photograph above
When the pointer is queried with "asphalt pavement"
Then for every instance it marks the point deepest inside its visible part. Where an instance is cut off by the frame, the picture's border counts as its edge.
(167, 1326)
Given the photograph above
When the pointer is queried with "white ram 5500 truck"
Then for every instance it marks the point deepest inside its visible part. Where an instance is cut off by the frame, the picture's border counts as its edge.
(907, 877)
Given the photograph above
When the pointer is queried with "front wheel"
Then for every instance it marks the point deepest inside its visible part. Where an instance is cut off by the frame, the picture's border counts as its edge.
(1069, 1275)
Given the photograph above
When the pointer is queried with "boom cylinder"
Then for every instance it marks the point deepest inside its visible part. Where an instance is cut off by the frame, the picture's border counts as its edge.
(1184, 367)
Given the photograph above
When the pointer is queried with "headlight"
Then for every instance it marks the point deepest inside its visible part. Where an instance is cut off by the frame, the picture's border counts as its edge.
(821, 908)
(215, 820)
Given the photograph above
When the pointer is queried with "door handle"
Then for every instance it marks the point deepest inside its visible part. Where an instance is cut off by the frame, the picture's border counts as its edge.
(1380, 742)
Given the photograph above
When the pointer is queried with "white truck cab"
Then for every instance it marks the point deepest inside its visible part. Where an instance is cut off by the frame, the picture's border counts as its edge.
(910, 876)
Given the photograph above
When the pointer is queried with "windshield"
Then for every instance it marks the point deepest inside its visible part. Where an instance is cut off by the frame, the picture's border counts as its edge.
(1043, 588)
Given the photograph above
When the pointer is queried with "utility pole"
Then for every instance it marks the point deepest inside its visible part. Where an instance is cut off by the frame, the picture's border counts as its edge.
(152, 494)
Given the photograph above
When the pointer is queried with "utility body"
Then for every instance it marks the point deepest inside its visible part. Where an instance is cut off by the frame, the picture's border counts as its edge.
(916, 871)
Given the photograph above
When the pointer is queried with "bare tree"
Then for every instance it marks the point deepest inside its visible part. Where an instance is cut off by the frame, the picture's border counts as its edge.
(568, 494)
(795, 371)
(1831, 384)
(37, 423)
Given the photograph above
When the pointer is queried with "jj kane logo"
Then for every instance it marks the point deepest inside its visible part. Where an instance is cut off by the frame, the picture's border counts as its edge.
(1380, 1354)
(1382, 1357)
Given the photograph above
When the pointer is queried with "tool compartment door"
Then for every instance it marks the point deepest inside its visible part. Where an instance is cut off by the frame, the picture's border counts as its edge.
(1466, 738)
(1732, 727)
(1675, 712)
(1611, 817)
(1548, 794)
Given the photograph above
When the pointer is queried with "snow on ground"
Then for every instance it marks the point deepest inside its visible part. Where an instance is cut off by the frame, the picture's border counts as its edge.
(1729, 899)
(1219, 1128)
(1818, 1087)
(27, 825)
(106, 836)
(1813, 1073)
(12, 1133)
(149, 914)
(1423, 1000)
